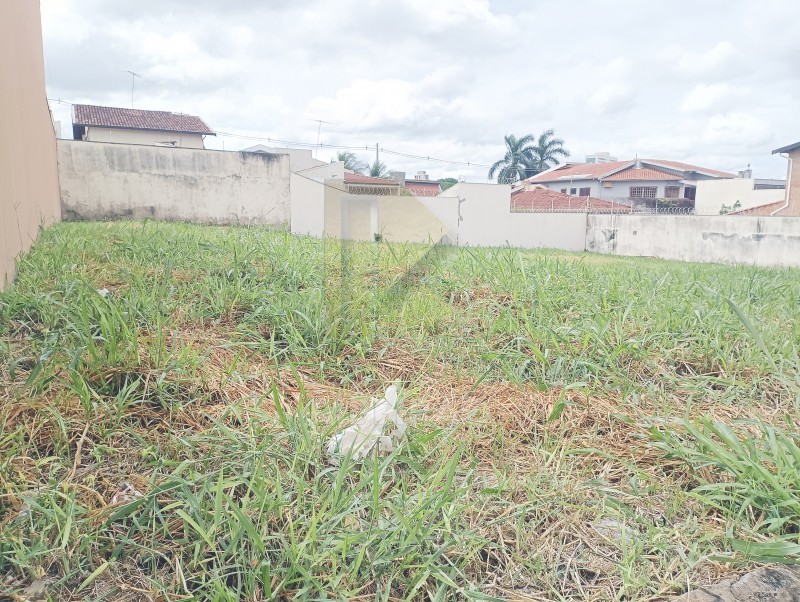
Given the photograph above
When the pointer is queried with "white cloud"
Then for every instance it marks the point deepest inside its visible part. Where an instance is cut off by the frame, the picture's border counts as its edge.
(611, 98)
(702, 61)
(714, 97)
(736, 129)
(448, 78)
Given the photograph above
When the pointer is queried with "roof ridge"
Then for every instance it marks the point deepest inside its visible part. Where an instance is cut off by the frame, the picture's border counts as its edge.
(613, 171)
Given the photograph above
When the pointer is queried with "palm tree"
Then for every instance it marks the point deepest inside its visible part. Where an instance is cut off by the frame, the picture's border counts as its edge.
(378, 169)
(546, 152)
(351, 161)
(518, 155)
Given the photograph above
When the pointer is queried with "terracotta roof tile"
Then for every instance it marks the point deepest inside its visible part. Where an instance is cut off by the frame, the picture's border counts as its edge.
(580, 171)
(689, 167)
(644, 173)
(607, 171)
(137, 119)
(423, 187)
(357, 178)
(542, 199)
(761, 210)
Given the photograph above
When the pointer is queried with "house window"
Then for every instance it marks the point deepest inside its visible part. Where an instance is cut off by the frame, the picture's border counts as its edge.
(573, 190)
(672, 192)
(563, 191)
(584, 191)
(643, 192)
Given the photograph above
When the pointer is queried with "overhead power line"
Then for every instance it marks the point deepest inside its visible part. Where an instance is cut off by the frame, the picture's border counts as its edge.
(362, 147)
(313, 145)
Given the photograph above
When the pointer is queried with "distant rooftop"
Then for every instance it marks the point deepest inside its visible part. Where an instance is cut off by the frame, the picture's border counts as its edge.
(357, 178)
(647, 169)
(138, 119)
(542, 199)
(786, 149)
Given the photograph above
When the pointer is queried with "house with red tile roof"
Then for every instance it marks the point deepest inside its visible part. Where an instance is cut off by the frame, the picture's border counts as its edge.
(136, 126)
(419, 185)
(356, 183)
(423, 187)
(631, 182)
(540, 199)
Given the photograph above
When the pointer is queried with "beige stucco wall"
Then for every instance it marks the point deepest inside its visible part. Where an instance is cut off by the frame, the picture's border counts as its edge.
(712, 194)
(792, 186)
(361, 217)
(115, 181)
(407, 219)
(28, 174)
(120, 136)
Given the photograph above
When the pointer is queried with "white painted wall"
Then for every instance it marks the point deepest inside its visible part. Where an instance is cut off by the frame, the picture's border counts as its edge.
(595, 189)
(112, 181)
(613, 190)
(712, 194)
(487, 220)
(764, 241)
(308, 197)
(149, 137)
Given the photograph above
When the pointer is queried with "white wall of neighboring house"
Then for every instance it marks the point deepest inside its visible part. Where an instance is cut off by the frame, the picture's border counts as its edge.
(308, 187)
(149, 137)
(592, 185)
(486, 220)
(611, 190)
(712, 194)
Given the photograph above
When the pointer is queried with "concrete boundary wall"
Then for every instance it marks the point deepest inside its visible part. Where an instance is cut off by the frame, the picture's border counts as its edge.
(28, 173)
(764, 241)
(483, 218)
(479, 215)
(116, 181)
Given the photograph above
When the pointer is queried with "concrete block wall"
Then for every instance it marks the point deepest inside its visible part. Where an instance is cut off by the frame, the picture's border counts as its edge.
(763, 241)
(116, 181)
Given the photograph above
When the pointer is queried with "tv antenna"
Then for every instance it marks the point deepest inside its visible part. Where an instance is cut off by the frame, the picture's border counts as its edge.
(133, 82)
(319, 131)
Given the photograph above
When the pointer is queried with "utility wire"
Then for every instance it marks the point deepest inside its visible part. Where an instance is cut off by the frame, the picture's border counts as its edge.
(364, 147)
(331, 146)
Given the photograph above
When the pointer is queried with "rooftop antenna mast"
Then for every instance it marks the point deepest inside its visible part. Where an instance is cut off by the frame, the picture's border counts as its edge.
(133, 82)
(319, 131)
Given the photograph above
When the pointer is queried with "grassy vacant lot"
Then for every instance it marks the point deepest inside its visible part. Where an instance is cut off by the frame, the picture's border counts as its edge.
(581, 427)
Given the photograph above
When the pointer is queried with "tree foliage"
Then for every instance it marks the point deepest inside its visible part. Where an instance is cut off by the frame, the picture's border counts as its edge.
(528, 155)
(352, 162)
(547, 151)
(378, 169)
(446, 183)
(512, 166)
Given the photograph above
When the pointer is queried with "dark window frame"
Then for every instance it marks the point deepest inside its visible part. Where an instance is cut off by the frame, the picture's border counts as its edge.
(643, 192)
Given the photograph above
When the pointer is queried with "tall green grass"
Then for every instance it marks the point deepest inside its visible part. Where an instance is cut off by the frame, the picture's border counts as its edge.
(238, 502)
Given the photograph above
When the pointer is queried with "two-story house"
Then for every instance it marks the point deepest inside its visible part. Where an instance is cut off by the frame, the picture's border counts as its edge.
(627, 181)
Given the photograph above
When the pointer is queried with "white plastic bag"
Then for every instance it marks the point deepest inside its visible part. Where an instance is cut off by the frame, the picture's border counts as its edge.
(359, 439)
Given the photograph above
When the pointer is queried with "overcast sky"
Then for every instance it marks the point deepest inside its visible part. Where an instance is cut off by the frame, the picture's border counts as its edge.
(712, 82)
